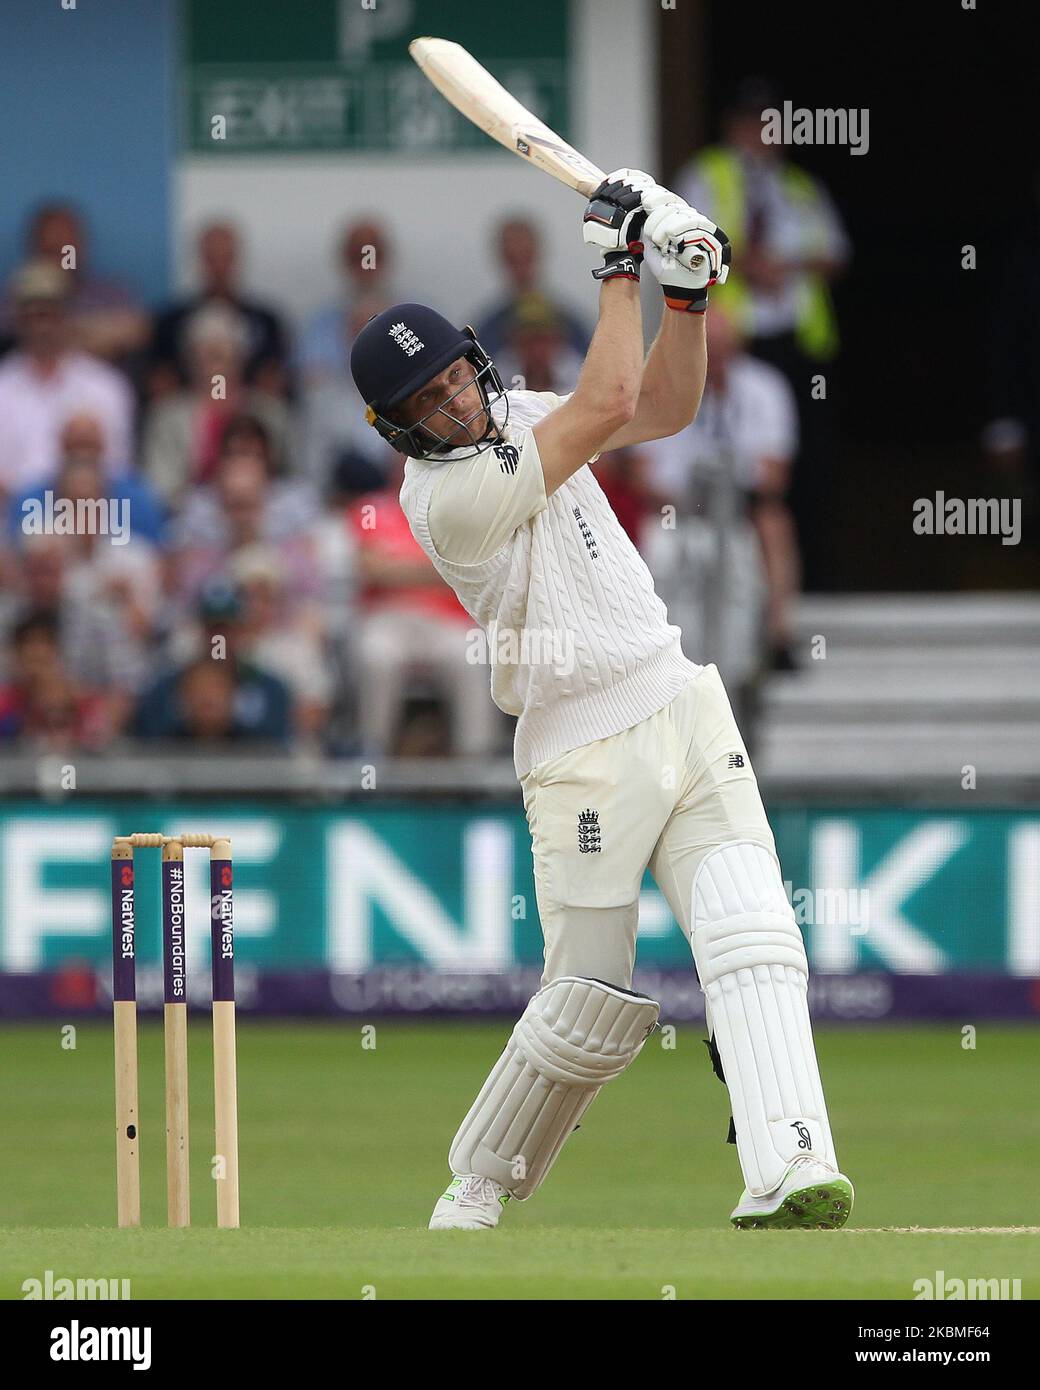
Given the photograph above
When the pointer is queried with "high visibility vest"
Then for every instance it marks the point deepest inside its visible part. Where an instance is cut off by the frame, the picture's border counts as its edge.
(816, 327)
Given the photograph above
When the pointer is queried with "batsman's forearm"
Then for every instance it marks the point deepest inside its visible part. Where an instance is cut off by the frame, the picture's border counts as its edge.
(613, 367)
(673, 378)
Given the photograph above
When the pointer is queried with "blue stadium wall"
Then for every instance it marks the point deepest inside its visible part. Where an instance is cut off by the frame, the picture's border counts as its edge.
(87, 115)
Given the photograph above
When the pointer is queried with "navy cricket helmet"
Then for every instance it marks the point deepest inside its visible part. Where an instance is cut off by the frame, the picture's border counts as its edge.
(403, 348)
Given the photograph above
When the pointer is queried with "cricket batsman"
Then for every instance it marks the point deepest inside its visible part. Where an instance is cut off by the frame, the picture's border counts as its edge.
(627, 753)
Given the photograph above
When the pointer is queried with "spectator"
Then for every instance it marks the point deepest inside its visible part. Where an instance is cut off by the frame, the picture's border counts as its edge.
(46, 380)
(109, 566)
(621, 473)
(426, 731)
(100, 650)
(788, 239)
(520, 257)
(745, 438)
(107, 319)
(216, 693)
(788, 246)
(365, 262)
(263, 539)
(204, 709)
(183, 433)
(283, 636)
(39, 702)
(80, 473)
(263, 337)
(412, 622)
(245, 434)
(341, 451)
(244, 506)
(536, 355)
(357, 473)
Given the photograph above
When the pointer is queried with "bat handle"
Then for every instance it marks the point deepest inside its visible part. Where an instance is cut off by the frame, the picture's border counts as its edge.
(693, 262)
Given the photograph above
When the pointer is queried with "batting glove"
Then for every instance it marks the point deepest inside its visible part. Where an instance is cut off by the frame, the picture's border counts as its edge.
(613, 223)
(693, 254)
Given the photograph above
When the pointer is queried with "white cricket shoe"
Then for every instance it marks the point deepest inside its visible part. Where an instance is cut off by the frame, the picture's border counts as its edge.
(812, 1196)
(471, 1203)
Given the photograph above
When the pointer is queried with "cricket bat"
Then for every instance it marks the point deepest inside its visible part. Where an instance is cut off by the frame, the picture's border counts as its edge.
(472, 90)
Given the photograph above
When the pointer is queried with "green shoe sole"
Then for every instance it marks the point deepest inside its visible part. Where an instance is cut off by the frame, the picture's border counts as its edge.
(824, 1206)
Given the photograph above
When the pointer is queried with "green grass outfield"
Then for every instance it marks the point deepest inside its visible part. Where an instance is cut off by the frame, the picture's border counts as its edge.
(343, 1151)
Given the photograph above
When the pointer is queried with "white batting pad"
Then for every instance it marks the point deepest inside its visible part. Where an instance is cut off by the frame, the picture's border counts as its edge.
(754, 974)
(573, 1037)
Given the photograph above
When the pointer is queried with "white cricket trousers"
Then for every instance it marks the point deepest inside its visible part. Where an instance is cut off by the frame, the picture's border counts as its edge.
(661, 795)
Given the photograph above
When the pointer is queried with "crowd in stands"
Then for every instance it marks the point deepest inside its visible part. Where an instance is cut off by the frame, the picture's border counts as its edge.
(246, 573)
